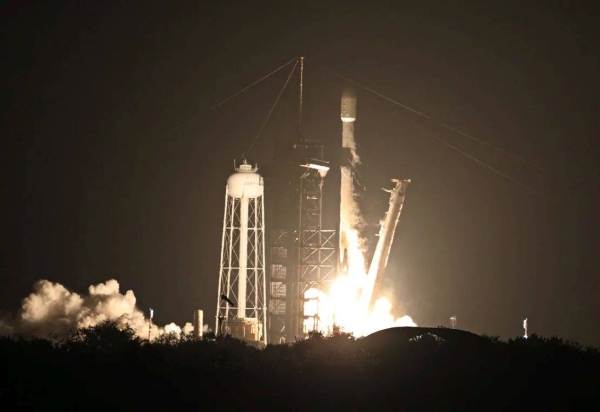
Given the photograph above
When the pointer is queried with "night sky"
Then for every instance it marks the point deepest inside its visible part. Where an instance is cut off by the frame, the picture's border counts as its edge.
(110, 168)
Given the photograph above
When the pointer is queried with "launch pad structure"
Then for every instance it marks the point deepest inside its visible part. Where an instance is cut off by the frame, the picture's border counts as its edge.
(303, 254)
(261, 306)
(303, 257)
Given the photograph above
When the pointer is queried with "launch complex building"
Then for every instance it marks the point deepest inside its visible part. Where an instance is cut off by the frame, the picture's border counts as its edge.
(264, 304)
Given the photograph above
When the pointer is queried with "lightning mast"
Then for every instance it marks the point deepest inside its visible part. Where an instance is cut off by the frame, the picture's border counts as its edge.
(302, 255)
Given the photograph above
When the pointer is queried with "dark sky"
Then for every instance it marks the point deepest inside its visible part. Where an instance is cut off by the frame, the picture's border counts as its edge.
(103, 176)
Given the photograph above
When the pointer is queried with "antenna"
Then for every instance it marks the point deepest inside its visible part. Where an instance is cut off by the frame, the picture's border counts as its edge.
(300, 103)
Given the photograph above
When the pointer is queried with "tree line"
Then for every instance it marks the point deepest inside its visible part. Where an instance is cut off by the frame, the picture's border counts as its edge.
(105, 366)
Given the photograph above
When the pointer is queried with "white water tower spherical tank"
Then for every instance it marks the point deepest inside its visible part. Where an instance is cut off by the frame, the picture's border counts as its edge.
(245, 183)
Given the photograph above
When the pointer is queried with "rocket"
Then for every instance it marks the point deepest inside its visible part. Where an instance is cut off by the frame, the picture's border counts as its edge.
(350, 219)
(370, 292)
(349, 159)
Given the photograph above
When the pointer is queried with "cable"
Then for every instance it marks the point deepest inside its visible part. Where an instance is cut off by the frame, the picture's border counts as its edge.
(483, 163)
(231, 97)
(536, 165)
(271, 111)
(247, 87)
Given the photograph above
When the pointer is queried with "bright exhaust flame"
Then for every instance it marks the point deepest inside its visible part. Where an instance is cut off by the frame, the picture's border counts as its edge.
(342, 307)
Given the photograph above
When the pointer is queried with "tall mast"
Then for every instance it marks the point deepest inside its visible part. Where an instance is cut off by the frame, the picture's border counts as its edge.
(300, 136)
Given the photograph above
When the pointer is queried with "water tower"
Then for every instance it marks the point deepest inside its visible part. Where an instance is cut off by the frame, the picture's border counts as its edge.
(241, 299)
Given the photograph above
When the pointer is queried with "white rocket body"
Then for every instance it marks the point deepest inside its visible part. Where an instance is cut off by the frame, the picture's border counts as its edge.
(387, 230)
(349, 159)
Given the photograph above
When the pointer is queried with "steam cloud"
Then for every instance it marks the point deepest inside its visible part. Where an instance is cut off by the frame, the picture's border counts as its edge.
(52, 311)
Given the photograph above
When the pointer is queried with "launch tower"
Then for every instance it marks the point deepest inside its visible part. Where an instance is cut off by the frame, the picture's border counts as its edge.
(303, 255)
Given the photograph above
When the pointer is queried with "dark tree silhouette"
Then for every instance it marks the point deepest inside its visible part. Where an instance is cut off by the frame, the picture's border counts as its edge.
(107, 366)
(106, 336)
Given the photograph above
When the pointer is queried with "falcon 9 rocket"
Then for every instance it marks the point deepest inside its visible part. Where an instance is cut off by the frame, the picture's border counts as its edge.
(349, 160)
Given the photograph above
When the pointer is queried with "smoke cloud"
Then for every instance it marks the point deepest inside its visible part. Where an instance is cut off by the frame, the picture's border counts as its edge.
(51, 311)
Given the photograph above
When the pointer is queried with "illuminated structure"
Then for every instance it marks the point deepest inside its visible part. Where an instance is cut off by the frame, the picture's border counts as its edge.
(302, 257)
(316, 247)
(302, 253)
(198, 323)
(303, 264)
(241, 299)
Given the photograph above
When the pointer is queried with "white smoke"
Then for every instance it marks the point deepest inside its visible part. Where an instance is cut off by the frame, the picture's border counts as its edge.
(51, 311)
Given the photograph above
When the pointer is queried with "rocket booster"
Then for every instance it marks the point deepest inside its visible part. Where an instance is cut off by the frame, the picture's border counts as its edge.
(346, 205)
(348, 161)
(389, 223)
(348, 115)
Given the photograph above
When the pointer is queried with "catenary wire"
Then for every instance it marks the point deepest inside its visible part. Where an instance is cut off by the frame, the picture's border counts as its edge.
(483, 163)
(295, 59)
(516, 156)
(272, 108)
